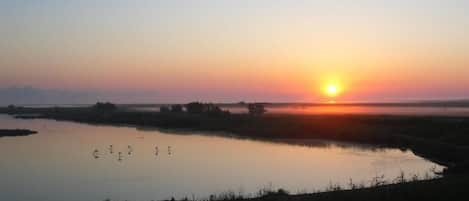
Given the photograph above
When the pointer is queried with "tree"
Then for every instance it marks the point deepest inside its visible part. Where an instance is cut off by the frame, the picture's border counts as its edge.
(195, 107)
(256, 109)
(104, 106)
(205, 108)
(164, 108)
(214, 110)
(176, 108)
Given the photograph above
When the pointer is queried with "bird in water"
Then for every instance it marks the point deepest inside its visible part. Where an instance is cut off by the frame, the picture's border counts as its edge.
(130, 149)
(120, 157)
(96, 154)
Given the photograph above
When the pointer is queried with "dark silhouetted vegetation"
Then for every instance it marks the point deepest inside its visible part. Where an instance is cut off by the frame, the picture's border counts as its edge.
(176, 108)
(105, 106)
(205, 108)
(15, 132)
(173, 108)
(195, 107)
(165, 109)
(256, 109)
(415, 188)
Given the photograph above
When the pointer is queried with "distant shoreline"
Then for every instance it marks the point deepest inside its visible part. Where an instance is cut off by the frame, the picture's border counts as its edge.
(424, 103)
(410, 103)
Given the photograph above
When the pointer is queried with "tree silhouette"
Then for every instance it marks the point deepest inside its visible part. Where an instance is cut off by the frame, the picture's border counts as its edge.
(176, 108)
(205, 108)
(256, 109)
(164, 108)
(104, 106)
(195, 107)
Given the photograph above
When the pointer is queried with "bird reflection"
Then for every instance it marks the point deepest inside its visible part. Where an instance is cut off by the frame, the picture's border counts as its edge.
(120, 157)
(129, 150)
(96, 154)
(156, 150)
(169, 150)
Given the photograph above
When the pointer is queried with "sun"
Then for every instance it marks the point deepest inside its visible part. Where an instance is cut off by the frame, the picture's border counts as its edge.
(332, 90)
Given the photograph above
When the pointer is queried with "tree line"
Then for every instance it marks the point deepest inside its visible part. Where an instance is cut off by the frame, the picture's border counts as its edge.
(209, 108)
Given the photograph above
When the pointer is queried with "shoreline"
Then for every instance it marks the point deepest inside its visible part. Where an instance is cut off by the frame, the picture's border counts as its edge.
(16, 132)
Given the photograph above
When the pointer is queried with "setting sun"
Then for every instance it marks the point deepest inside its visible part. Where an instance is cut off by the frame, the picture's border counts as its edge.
(332, 90)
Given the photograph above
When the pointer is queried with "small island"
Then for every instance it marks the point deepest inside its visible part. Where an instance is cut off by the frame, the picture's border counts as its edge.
(16, 132)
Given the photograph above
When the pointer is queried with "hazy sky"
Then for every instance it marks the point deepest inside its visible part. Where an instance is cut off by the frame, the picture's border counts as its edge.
(250, 50)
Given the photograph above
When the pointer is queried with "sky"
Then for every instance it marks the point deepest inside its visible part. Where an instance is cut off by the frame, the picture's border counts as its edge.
(228, 51)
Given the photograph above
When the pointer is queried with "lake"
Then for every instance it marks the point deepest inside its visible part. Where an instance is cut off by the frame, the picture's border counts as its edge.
(76, 162)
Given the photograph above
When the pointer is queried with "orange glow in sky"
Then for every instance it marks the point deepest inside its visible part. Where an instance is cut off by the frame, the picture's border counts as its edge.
(225, 51)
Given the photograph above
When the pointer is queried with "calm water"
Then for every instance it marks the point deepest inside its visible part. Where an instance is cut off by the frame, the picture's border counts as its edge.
(74, 162)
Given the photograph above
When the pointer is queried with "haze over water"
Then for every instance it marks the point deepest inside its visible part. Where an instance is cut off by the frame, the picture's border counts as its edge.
(333, 109)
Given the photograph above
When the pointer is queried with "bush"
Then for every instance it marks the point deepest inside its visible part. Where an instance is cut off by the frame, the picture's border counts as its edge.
(256, 109)
(164, 109)
(282, 191)
(105, 106)
(205, 108)
(213, 110)
(176, 108)
(195, 107)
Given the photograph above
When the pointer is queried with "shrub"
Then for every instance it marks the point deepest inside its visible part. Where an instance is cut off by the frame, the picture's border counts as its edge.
(195, 107)
(164, 108)
(105, 106)
(205, 108)
(176, 108)
(256, 109)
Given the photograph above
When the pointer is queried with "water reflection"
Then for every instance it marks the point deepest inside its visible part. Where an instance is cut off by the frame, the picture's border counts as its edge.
(165, 165)
(130, 150)
(120, 157)
(96, 154)
(311, 143)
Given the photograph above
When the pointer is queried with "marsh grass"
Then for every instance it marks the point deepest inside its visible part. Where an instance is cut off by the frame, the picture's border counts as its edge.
(376, 185)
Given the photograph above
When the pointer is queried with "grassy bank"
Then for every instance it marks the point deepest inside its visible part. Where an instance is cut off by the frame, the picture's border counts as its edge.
(448, 188)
